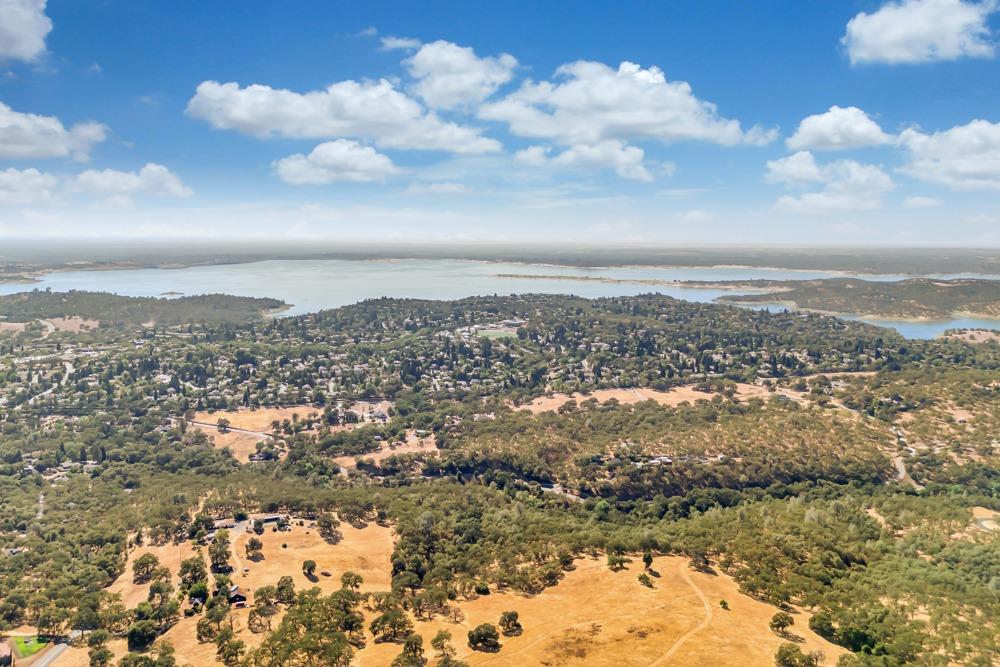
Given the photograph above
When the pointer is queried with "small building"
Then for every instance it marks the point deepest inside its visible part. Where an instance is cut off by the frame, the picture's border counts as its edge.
(224, 523)
(236, 597)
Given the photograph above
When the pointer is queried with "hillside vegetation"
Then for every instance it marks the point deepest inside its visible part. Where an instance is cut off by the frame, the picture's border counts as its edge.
(852, 488)
(113, 310)
(915, 298)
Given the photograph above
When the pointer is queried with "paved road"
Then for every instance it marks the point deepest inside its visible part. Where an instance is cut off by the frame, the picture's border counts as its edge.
(50, 656)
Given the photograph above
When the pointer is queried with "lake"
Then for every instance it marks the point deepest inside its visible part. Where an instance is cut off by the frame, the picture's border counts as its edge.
(311, 285)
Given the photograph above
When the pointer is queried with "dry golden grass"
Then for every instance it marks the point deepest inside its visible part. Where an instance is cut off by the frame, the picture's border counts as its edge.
(12, 327)
(258, 420)
(73, 324)
(600, 618)
(365, 551)
(242, 445)
(671, 398)
(594, 617)
(412, 445)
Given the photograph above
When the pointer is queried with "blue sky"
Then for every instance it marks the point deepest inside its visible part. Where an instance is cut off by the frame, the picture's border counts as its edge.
(685, 122)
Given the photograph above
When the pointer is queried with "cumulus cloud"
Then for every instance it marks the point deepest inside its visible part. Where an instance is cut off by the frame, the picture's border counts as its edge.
(591, 102)
(846, 185)
(966, 157)
(26, 186)
(921, 31)
(153, 179)
(921, 202)
(837, 129)
(369, 110)
(450, 76)
(28, 135)
(340, 160)
(23, 29)
(797, 169)
(625, 160)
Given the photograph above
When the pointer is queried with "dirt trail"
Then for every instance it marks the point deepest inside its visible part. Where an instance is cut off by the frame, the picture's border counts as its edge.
(696, 629)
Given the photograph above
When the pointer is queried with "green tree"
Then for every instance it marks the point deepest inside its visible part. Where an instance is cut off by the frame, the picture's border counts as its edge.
(254, 549)
(218, 552)
(510, 624)
(351, 581)
(412, 654)
(192, 570)
(391, 625)
(790, 655)
(285, 590)
(309, 568)
(484, 637)
(143, 567)
(141, 635)
(442, 644)
(780, 622)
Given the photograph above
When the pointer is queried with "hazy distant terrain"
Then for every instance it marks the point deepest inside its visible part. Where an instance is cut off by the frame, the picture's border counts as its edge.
(19, 257)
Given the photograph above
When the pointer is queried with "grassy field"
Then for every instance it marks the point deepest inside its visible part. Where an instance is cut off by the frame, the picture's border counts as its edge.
(594, 617)
(28, 646)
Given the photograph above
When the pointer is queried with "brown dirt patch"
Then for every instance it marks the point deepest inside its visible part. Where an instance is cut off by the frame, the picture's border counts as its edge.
(73, 324)
(975, 336)
(12, 327)
(412, 445)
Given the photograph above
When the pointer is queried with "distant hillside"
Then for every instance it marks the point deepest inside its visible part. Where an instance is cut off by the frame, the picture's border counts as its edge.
(114, 310)
(923, 298)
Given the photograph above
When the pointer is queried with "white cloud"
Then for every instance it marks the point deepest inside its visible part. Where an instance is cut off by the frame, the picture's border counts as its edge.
(593, 103)
(966, 157)
(369, 110)
(625, 160)
(23, 28)
(921, 31)
(370, 31)
(28, 135)
(797, 169)
(921, 202)
(847, 185)
(340, 160)
(153, 179)
(533, 156)
(442, 188)
(695, 216)
(401, 43)
(837, 129)
(451, 76)
(26, 186)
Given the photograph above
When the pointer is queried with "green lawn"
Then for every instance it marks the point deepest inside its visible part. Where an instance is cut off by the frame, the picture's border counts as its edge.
(497, 333)
(28, 646)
